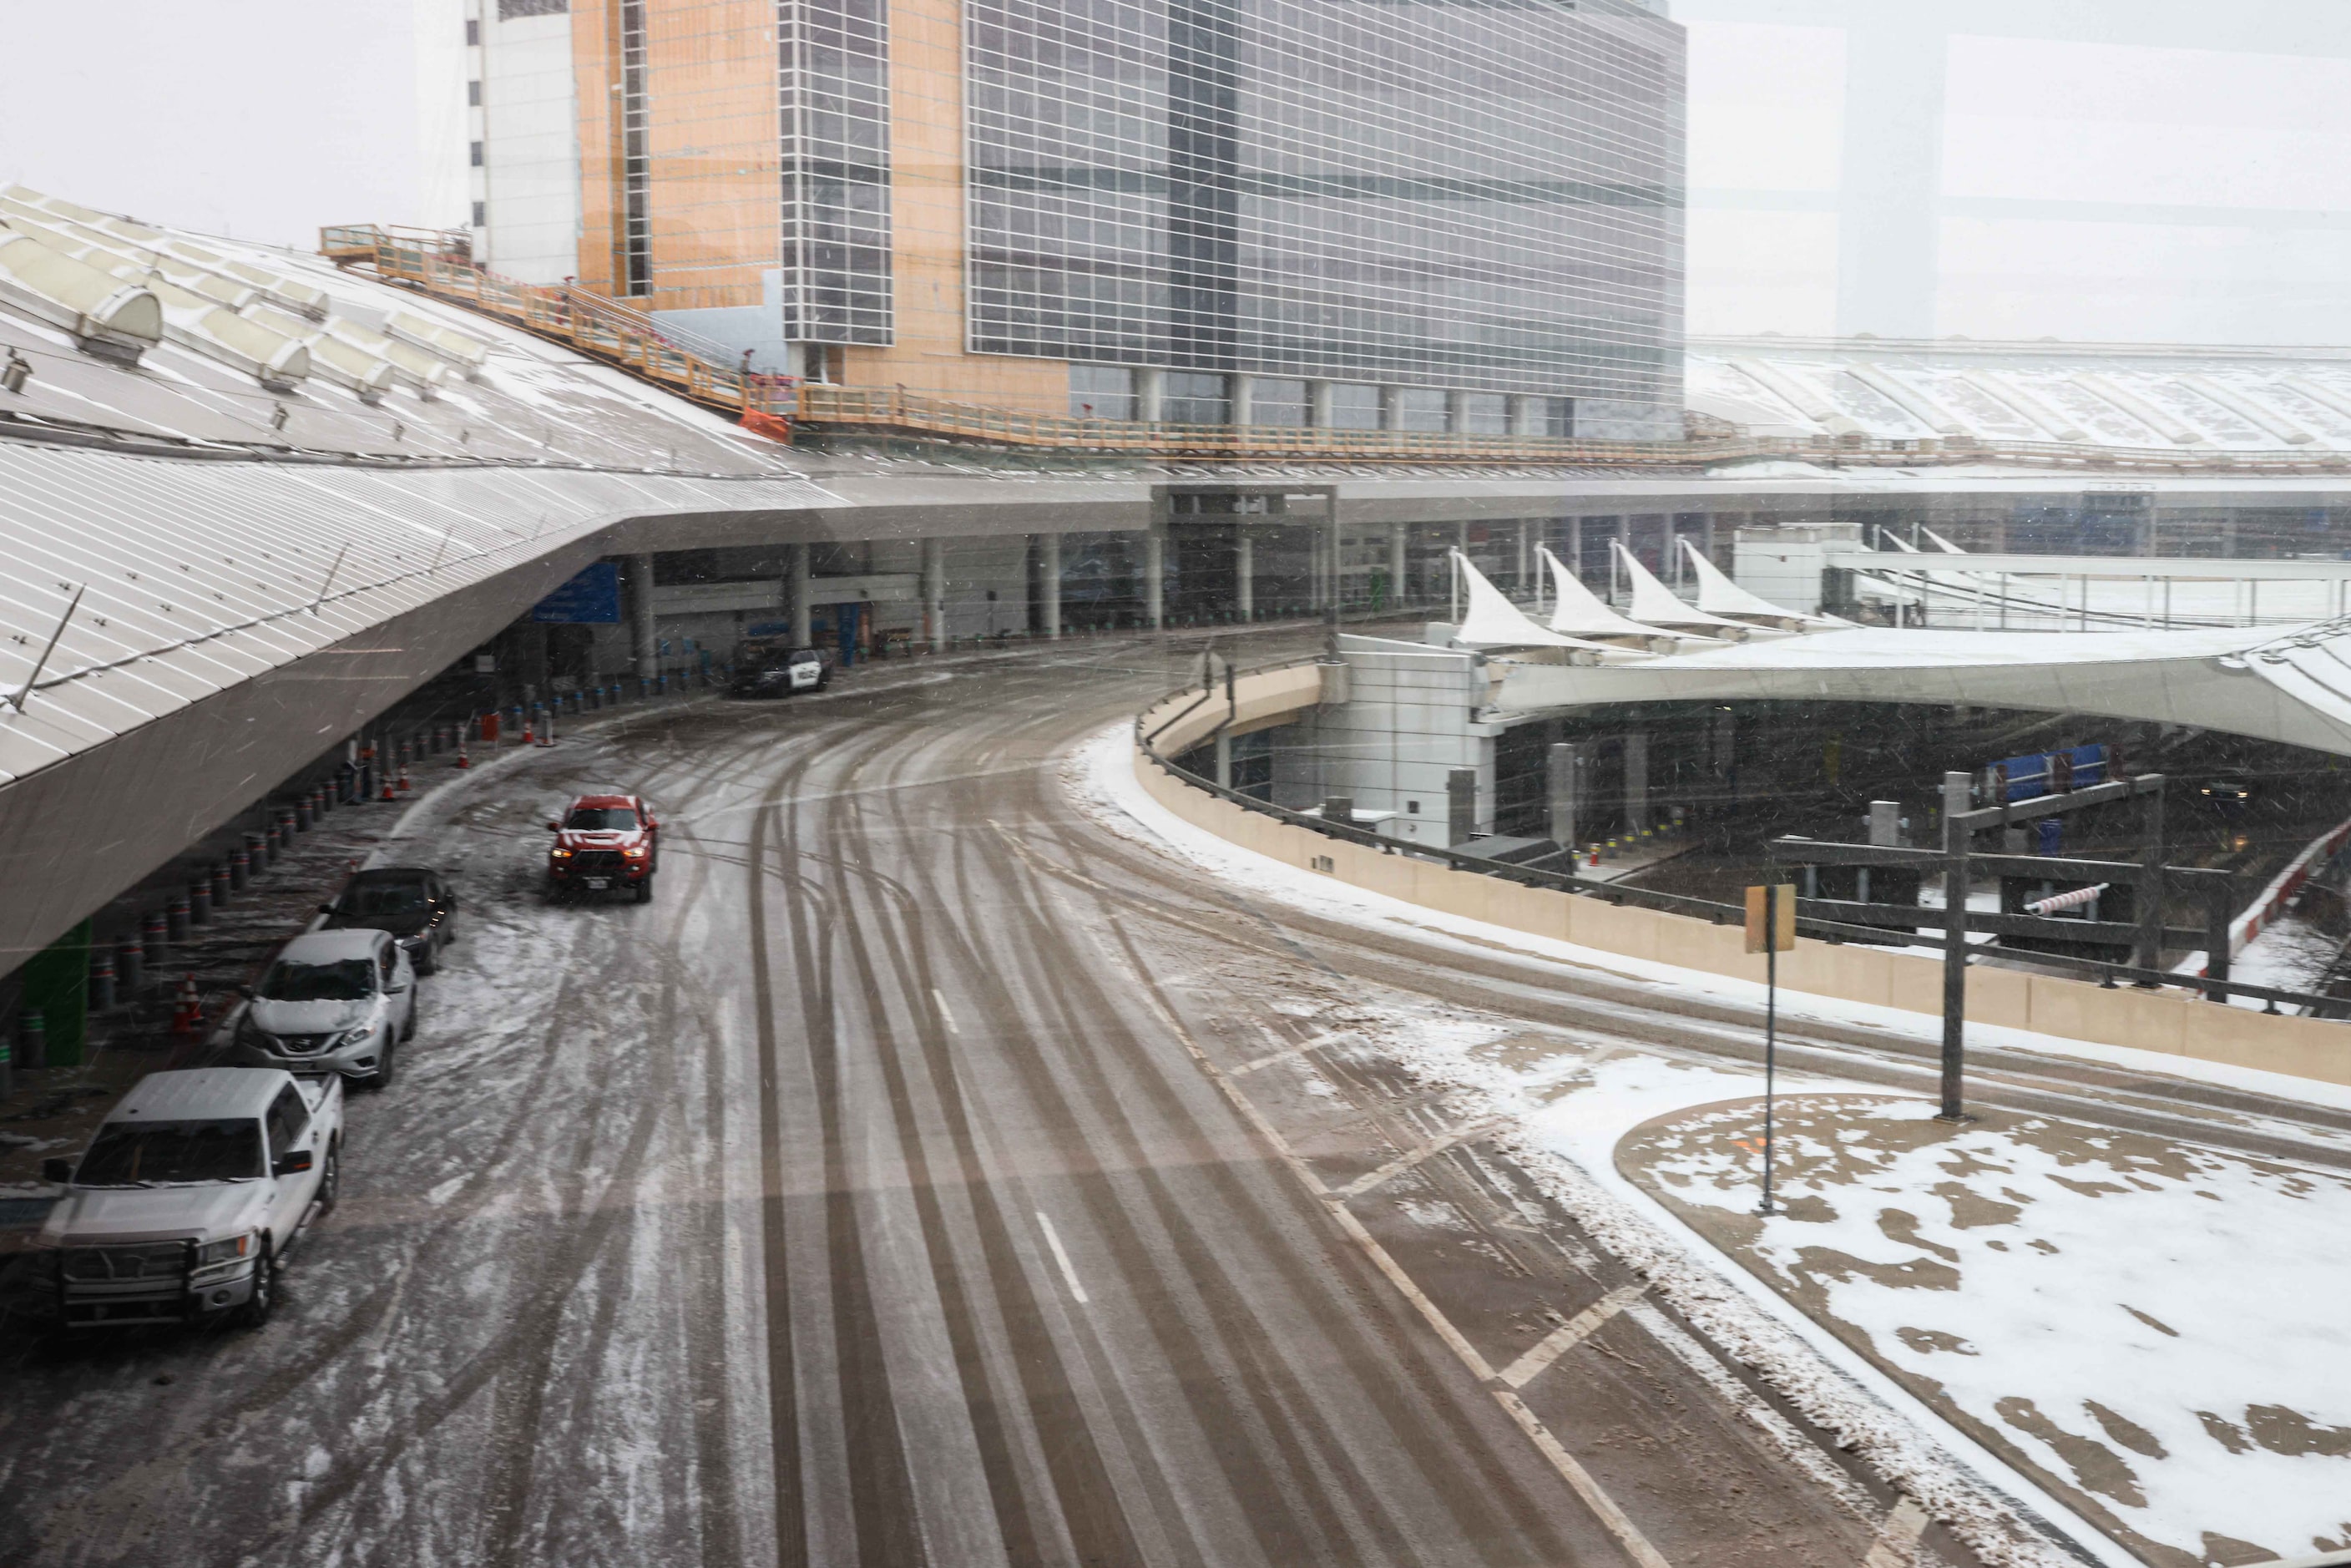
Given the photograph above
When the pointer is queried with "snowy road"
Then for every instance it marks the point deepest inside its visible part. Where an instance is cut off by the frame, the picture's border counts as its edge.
(932, 1177)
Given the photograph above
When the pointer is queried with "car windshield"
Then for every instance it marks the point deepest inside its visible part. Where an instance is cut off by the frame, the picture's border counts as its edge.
(343, 981)
(382, 898)
(127, 1154)
(605, 818)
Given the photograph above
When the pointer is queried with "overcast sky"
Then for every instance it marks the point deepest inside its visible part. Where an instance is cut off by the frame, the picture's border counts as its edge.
(2118, 170)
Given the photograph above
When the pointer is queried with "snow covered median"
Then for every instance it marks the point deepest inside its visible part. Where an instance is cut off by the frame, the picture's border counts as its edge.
(2158, 1332)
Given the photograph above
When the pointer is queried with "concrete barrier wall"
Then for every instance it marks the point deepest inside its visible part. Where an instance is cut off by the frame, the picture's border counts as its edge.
(2171, 1021)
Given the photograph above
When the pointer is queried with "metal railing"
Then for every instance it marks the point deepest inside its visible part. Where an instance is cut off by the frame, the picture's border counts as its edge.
(2109, 976)
(440, 262)
(693, 367)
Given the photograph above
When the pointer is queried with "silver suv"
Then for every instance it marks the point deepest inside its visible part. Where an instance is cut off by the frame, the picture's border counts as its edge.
(334, 1002)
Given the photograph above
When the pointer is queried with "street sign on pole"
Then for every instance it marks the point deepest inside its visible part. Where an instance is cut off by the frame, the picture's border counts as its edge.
(1770, 928)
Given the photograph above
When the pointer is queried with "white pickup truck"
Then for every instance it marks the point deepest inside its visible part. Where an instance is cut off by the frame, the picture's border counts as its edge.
(185, 1203)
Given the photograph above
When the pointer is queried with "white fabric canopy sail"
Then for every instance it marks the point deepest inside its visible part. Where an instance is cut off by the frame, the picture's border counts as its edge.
(1579, 612)
(1654, 603)
(1718, 595)
(1491, 620)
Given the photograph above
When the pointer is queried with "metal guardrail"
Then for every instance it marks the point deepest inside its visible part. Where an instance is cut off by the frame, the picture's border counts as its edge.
(2109, 976)
(440, 264)
(692, 367)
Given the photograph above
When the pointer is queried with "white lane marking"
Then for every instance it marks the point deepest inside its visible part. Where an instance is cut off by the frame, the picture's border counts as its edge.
(1053, 1239)
(1897, 1539)
(1335, 1037)
(1570, 1334)
(1403, 1162)
(1579, 1480)
(1801, 1451)
(945, 1016)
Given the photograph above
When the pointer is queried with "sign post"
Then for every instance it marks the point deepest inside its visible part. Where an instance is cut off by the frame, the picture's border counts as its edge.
(1770, 927)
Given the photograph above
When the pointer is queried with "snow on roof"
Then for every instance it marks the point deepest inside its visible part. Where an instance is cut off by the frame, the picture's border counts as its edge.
(331, 947)
(2164, 398)
(199, 1093)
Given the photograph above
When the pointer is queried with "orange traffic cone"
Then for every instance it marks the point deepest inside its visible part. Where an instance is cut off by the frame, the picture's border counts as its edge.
(463, 760)
(188, 1008)
(526, 737)
(406, 788)
(387, 788)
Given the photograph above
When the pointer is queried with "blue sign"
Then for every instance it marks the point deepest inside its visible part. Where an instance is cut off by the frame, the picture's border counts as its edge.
(592, 597)
(2045, 773)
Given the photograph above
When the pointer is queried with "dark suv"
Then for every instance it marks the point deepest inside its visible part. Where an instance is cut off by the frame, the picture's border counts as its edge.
(415, 905)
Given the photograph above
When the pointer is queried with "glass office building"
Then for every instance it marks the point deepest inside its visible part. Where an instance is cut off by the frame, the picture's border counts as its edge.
(1465, 199)
(1359, 213)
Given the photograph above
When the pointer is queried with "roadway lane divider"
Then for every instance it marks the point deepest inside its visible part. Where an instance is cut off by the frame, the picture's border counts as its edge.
(1061, 1256)
(1569, 1334)
(1579, 1480)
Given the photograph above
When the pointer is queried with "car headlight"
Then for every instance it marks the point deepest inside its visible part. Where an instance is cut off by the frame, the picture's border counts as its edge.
(636, 851)
(212, 1252)
(560, 854)
(359, 1036)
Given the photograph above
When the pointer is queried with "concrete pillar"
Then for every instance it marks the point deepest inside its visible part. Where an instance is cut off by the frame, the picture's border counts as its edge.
(1636, 780)
(1460, 805)
(1526, 414)
(1224, 761)
(1722, 760)
(1706, 544)
(1399, 561)
(1155, 577)
(935, 594)
(1575, 548)
(1317, 404)
(1150, 393)
(1526, 553)
(797, 588)
(1049, 558)
(1245, 571)
(1886, 823)
(1567, 765)
(1243, 398)
(644, 646)
(1334, 556)
(1391, 408)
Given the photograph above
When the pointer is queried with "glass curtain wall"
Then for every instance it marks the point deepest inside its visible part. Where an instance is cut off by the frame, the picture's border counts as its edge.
(1485, 198)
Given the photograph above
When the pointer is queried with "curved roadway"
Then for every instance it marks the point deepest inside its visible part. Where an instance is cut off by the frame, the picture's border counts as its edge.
(932, 1177)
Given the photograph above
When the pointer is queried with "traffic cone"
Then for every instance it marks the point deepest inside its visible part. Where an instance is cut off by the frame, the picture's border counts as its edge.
(463, 760)
(528, 738)
(387, 788)
(405, 786)
(188, 1008)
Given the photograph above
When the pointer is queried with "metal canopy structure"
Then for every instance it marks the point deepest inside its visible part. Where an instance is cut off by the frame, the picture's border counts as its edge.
(2295, 687)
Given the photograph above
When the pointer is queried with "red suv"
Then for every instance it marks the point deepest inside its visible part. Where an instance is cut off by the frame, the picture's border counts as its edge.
(604, 842)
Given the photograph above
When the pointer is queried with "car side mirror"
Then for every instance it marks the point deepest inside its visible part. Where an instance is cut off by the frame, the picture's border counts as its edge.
(57, 1170)
(326, 909)
(554, 827)
(246, 991)
(291, 1163)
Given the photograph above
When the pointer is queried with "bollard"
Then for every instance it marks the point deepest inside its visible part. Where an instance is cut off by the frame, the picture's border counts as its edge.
(130, 969)
(220, 880)
(286, 829)
(199, 902)
(101, 980)
(240, 870)
(257, 852)
(176, 920)
(318, 798)
(302, 813)
(7, 1070)
(272, 840)
(32, 1039)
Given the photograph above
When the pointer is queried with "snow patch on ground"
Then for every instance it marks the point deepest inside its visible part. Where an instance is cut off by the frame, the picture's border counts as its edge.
(2160, 1325)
